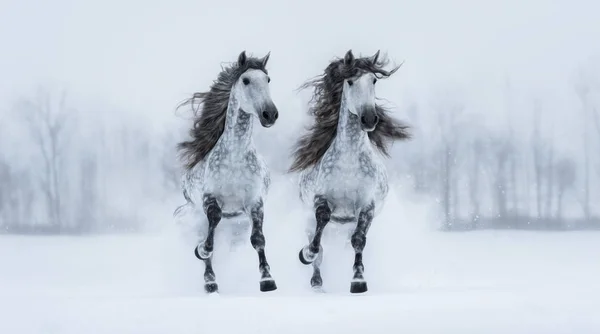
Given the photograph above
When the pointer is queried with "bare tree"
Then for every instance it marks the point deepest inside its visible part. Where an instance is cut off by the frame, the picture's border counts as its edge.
(477, 151)
(538, 151)
(46, 122)
(565, 176)
(550, 182)
(582, 88)
(16, 198)
(88, 195)
(502, 150)
(448, 115)
(511, 142)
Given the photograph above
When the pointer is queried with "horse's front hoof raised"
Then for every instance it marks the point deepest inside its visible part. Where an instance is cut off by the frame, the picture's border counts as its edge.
(358, 287)
(301, 257)
(201, 254)
(211, 287)
(306, 258)
(268, 285)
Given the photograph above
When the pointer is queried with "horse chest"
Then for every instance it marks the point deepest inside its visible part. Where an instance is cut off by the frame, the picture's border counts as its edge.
(350, 177)
(237, 177)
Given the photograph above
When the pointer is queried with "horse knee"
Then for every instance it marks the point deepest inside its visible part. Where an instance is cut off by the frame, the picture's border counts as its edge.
(323, 213)
(213, 213)
(257, 240)
(358, 241)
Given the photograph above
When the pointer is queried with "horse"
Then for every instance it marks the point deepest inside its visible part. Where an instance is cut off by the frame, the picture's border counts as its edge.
(342, 175)
(222, 169)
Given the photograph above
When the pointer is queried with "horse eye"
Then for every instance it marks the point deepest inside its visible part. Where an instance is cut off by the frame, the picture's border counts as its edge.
(374, 80)
(268, 79)
(246, 81)
(350, 82)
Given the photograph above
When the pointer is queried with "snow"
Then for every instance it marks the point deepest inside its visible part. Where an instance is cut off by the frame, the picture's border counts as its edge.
(420, 281)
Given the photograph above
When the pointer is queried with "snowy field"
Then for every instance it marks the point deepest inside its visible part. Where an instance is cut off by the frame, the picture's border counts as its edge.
(420, 281)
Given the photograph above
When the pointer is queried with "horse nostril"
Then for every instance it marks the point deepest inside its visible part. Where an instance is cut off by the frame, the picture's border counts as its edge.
(276, 116)
(363, 119)
(265, 115)
(376, 119)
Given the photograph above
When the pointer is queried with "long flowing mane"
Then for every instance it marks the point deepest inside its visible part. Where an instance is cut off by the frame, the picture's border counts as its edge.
(210, 111)
(325, 108)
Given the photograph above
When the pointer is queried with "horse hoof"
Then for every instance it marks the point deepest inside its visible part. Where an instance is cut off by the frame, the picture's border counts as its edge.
(211, 287)
(202, 255)
(303, 259)
(358, 287)
(268, 285)
(316, 281)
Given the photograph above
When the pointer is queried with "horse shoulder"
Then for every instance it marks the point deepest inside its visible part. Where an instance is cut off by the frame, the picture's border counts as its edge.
(192, 180)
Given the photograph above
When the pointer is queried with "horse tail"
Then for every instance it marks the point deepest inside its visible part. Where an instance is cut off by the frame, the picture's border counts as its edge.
(185, 208)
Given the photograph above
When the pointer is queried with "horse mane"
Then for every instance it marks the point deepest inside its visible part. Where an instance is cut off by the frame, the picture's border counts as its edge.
(211, 110)
(325, 108)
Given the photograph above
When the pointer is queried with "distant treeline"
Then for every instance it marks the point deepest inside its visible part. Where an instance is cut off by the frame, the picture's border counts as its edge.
(511, 175)
(67, 170)
(71, 171)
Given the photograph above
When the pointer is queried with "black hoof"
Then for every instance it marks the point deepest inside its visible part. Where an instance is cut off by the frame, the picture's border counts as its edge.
(268, 285)
(211, 287)
(358, 287)
(316, 281)
(198, 254)
(302, 259)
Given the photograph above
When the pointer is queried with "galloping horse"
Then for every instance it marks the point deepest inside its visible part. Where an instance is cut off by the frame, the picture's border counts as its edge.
(223, 170)
(342, 176)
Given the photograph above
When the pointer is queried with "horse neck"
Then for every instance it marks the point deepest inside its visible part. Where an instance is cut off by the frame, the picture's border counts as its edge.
(238, 128)
(349, 134)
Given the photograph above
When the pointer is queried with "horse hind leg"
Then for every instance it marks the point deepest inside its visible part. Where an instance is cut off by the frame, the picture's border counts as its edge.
(257, 239)
(359, 240)
(204, 250)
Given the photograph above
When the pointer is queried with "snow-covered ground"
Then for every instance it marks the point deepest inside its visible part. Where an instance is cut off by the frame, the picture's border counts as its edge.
(420, 281)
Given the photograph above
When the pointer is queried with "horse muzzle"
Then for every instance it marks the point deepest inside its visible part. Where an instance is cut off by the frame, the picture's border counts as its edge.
(268, 116)
(368, 119)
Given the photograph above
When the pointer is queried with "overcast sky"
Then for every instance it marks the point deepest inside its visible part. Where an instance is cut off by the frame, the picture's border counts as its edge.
(145, 56)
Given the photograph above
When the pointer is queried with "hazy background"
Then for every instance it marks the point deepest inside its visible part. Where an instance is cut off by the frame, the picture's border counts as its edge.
(503, 97)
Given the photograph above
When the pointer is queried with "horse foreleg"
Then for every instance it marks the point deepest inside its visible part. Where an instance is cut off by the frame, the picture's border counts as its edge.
(359, 240)
(210, 282)
(205, 249)
(316, 281)
(257, 239)
(309, 253)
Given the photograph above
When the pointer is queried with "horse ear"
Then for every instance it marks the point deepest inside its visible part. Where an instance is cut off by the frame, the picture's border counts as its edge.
(375, 57)
(348, 58)
(242, 58)
(265, 59)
